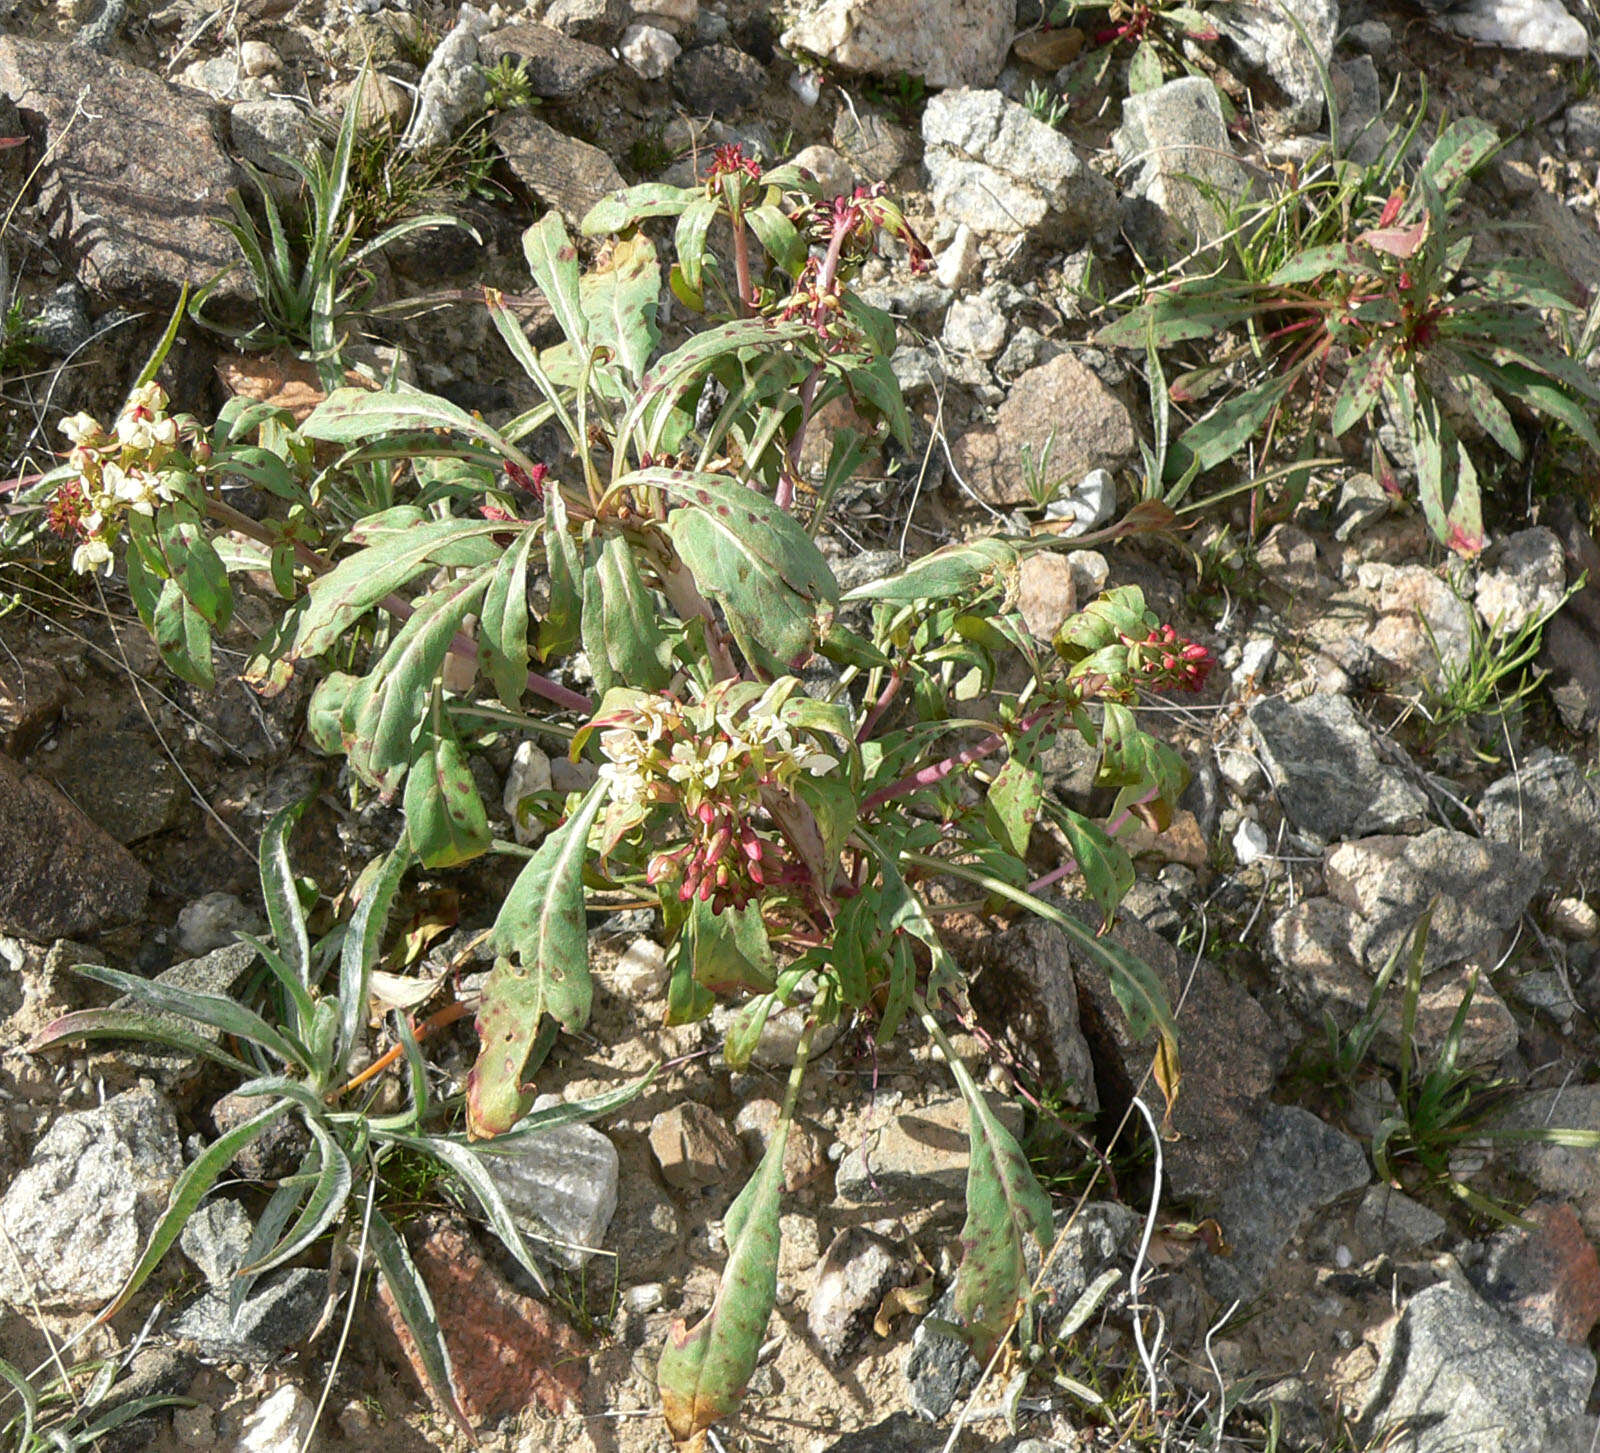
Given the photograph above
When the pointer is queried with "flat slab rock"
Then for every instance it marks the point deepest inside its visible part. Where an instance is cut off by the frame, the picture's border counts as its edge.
(135, 184)
(1324, 765)
(946, 42)
(1551, 809)
(568, 174)
(61, 876)
(1231, 1053)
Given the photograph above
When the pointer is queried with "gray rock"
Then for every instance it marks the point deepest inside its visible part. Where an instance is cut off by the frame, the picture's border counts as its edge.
(917, 370)
(1390, 1220)
(558, 67)
(876, 146)
(269, 133)
(216, 1238)
(939, 1368)
(1454, 1375)
(856, 1273)
(214, 921)
(975, 325)
(561, 1187)
(138, 219)
(79, 1213)
(693, 1147)
(1541, 26)
(649, 51)
(946, 42)
(1422, 624)
(599, 22)
(568, 174)
(1027, 991)
(1482, 886)
(32, 695)
(1177, 140)
(279, 1423)
(718, 80)
(919, 1154)
(1363, 133)
(220, 972)
(1569, 1172)
(1549, 808)
(898, 1433)
(1231, 1054)
(1525, 580)
(451, 91)
(1266, 38)
(1059, 416)
(1321, 948)
(1299, 1164)
(279, 1310)
(1324, 765)
(62, 325)
(123, 780)
(61, 876)
(1003, 172)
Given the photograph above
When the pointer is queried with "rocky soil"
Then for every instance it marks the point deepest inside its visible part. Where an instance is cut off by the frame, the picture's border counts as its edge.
(1282, 1292)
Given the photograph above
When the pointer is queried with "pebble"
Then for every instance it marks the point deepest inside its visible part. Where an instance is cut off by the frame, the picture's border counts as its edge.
(649, 50)
(1250, 843)
(279, 1424)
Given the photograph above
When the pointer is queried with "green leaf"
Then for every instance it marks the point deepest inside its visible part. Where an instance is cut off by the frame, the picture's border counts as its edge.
(359, 582)
(543, 968)
(694, 226)
(621, 622)
(284, 913)
(753, 559)
(779, 236)
(622, 210)
(553, 261)
(730, 948)
(375, 893)
(1362, 387)
(947, 573)
(410, 1295)
(1461, 149)
(619, 298)
(1229, 427)
(688, 1000)
(835, 808)
(1447, 480)
(1011, 805)
(192, 562)
(446, 824)
(131, 1024)
(190, 1189)
(503, 622)
(560, 629)
(744, 1031)
(1105, 867)
(182, 637)
(1145, 71)
(703, 1371)
(350, 415)
(1103, 622)
(329, 1192)
(1181, 315)
(403, 680)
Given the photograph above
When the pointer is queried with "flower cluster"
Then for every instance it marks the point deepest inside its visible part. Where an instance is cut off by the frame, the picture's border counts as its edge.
(727, 161)
(710, 762)
(132, 469)
(1165, 661)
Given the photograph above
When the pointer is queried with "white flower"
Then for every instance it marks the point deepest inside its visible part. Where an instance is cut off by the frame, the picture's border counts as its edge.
(91, 556)
(81, 429)
(134, 488)
(150, 397)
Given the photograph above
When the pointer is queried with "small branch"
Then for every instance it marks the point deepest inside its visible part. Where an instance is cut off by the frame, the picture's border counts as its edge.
(938, 771)
(876, 714)
(431, 1025)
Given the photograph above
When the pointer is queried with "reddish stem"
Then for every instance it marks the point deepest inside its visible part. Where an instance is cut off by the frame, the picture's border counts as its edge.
(938, 771)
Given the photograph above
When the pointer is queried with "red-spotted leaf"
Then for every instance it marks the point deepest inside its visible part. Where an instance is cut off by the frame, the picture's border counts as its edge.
(703, 1370)
(542, 968)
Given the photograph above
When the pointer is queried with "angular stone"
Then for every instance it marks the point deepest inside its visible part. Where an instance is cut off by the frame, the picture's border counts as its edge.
(279, 1310)
(1268, 38)
(1176, 136)
(1002, 171)
(649, 51)
(718, 80)
(78, 1215)
(1047, 593)
(32, 693)
(1230, 1052)
(133, 182)
(1526, 580)
(122, 780)
(1482, 886)
(507, 1351)
(1422, 624)
(1571, 1173)
(270, 133)
(279, 1423)
(1452, 1374)
(558, 67)
(1299, 1164)
(451, 91)
(1546, 1279)
(946, 42)
(856, 1273)
(1026, 990)
(597, 21)
(567, 173)
(61, 876)
(1389, 1220)
(975, 325)
(805, 1151)
(1550, 808)
(561, 1188)
(877, 147)
(1321, 948)
(1062, 417)
(919, 1154)
(1542, 26)
(1325, 768)
(694, 1147)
